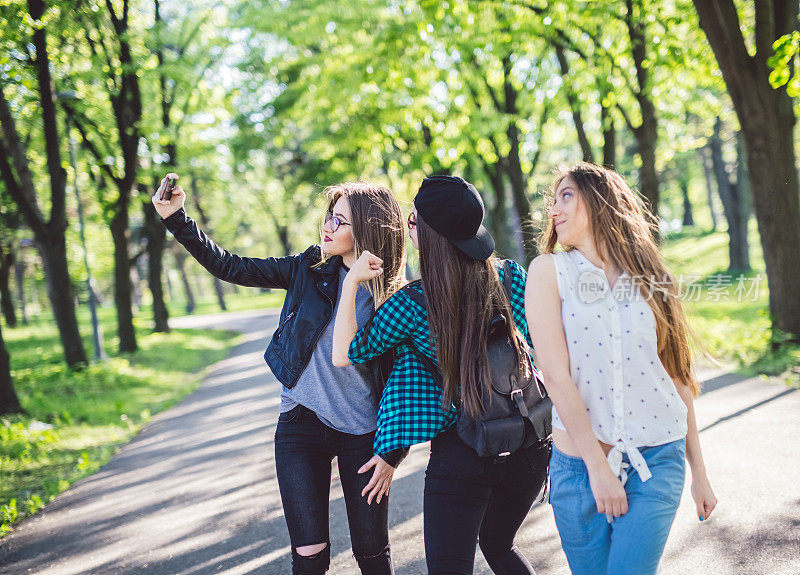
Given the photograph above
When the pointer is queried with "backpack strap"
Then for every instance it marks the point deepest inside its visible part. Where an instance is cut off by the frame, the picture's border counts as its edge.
(419, 299)
(507, 277)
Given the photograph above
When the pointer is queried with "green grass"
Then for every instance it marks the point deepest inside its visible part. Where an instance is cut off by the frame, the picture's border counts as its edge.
(76, 420)
(734, 328)
(246, 299)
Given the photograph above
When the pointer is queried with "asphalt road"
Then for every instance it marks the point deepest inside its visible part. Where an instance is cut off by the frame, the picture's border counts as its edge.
(195, 492)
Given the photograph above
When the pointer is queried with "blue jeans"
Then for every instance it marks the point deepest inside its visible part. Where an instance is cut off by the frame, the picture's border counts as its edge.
(631, 544)
(304, 449)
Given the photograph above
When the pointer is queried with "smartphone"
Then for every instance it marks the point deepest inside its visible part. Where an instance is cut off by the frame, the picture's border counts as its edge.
(167, 193)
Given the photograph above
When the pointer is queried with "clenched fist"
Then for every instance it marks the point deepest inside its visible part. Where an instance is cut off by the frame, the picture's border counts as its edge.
(166, 208)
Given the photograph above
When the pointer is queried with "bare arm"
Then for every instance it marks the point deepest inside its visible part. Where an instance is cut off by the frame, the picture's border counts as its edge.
(703, 495)
(543, 312)
(344, 330)
(367, 267)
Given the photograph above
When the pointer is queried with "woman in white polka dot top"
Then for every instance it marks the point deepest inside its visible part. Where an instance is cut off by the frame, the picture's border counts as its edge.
(611, 338)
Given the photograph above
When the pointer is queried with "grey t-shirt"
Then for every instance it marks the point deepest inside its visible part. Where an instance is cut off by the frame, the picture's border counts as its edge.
(341, 397)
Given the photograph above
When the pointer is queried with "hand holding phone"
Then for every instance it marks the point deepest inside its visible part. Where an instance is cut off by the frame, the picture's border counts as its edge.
(169, 197)
(166, 193)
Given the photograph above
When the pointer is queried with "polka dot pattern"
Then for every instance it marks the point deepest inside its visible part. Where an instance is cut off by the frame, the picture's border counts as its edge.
(611, 337)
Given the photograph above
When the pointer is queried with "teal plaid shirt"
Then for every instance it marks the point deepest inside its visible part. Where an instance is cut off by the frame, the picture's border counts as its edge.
(410, 409)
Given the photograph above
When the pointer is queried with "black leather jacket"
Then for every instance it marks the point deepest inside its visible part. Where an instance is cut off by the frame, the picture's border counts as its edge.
(311, 294)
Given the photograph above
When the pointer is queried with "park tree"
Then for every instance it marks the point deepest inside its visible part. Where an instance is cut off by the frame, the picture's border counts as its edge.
(767, 118)
(679, 171)
(188, 42)
(28, 84)
(440, 101)
(735, 196)
(180, 257)
(10, 228)
(154, 233)
(9, 402)
(509, 89)
(633, 63)
(108, 118)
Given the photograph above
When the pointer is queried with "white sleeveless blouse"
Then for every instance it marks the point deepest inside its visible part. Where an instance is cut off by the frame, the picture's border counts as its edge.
(611, 336)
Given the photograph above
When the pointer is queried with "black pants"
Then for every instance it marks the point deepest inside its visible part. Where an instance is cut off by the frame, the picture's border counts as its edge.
(470, 499)
(304, 449)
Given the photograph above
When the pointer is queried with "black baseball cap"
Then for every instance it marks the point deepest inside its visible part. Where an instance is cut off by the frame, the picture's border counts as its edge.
(454, 209)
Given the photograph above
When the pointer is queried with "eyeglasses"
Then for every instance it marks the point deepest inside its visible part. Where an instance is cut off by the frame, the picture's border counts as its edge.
(334, 220)
(412, 221)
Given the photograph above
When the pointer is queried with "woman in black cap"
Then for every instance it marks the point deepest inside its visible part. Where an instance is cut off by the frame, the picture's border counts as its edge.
(467, 498)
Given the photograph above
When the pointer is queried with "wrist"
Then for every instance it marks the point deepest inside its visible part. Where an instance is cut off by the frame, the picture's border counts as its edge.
(175, 220)
(699, 475)
(394, 457)
(597, 465)
(696, 464)
(350, 284)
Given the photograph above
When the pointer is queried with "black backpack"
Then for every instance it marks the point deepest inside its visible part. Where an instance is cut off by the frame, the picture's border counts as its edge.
(517, 410)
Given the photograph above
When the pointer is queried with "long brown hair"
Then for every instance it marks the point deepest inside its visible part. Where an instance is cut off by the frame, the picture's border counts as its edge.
(623, 229)
(378, 227)
(463, 295)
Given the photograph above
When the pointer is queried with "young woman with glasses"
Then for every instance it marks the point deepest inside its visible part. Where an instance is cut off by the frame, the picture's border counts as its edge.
(325, 412)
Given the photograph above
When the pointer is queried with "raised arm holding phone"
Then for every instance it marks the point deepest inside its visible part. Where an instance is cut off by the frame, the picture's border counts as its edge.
(325, 411)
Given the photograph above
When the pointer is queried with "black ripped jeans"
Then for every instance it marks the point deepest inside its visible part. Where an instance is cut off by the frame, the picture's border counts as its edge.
(470, 499)
(304, 449)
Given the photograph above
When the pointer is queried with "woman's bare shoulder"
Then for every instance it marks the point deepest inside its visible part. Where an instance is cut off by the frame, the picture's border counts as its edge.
(542, 267)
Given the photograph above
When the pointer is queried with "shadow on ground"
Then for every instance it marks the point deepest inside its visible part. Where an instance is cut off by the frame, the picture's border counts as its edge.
(196, 493)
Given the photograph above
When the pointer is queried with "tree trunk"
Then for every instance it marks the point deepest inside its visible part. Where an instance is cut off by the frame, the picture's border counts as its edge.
(219, 291)
(180, 263)
(6, 301)
(743, 176)
(705, 159)
(127, 107)
(283, 237)
(498, 213)
(734, 206)
(19, 279)
(50, 235)
(156, 240)
(170, 290)
(62, 298)
(740, 258)
(574, 104)
(767, 118)
(648, 177)
(154, 230)
(203, 218)
(513, 164)
(773, 172)
(123, 288)
(521, 203)
(9, 402)
(609, 138)
(138, 271)
(688, 216)
(646, 134)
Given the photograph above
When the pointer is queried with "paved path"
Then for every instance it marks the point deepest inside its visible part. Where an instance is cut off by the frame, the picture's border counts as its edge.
(196, 492)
